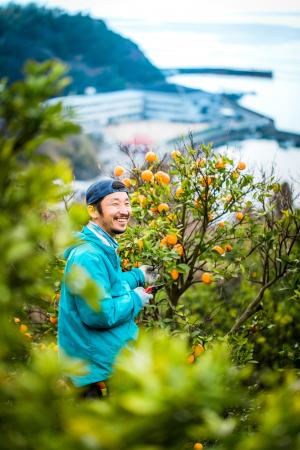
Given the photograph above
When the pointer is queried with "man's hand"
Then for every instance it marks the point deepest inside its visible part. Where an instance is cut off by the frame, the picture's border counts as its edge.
(145, 298)
(150, 274)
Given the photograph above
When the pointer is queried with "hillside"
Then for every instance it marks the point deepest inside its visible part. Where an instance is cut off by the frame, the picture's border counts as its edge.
(96, 56)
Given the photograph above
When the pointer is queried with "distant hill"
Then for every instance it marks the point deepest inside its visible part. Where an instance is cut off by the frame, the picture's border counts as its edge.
(96, 56)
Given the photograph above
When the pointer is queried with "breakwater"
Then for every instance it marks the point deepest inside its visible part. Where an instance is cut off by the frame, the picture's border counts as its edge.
(217, 71)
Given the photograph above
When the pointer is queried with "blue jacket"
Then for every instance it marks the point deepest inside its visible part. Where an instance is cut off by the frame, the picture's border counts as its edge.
(97, 336)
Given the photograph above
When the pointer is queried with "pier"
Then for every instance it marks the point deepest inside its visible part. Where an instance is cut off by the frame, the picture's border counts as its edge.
(217, 71)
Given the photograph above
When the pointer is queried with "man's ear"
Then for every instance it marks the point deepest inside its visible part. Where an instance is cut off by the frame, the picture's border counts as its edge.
(93, 213)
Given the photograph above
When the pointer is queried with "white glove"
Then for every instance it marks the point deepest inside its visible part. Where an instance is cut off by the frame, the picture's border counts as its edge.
(150, 274)
(145, 298)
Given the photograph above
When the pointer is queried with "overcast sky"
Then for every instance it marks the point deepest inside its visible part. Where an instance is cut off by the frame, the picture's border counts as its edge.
(170, 10)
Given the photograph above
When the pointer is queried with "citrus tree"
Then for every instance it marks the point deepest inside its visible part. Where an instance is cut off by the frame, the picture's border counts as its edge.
(197, 217)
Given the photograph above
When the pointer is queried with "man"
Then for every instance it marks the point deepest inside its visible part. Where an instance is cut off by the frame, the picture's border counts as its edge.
(98, 336)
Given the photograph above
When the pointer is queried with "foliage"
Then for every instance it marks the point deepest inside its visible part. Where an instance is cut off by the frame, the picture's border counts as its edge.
(168, 391)
(199, 216)
(97, 56)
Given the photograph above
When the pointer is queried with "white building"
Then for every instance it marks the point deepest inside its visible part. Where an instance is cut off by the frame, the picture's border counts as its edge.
(95, 111)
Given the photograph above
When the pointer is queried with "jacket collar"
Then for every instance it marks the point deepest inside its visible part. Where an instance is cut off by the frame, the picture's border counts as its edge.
(102, 235)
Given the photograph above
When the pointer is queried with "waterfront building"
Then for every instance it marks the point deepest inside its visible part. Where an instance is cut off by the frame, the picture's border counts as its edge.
(95, 111)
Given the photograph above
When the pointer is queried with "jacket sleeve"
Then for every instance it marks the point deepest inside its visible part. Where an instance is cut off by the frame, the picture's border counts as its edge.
(134, 278)
(112, 311)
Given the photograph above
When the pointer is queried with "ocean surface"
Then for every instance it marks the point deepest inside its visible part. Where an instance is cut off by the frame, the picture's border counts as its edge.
(268, 42)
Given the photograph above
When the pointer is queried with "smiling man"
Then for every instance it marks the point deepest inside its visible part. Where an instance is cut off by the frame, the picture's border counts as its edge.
(97, 336)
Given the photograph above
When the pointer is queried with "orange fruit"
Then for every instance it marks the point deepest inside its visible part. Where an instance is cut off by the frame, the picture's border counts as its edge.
(147, 175)
(171, 239)
(191, 359)
(218, 249)
(53, 320)
(206, 278)
(137, 264)
(179, 192)
(163, 207)
(220, 164)
(198, 446)
(153, 209)
(210, 217)
(17, 320)
(241, 165)
(127, 182)
(198, 349)
(239, 215)
(151, 157)
(228, 248)
(221, 224)
(23, 328)
(162, 177)
(118, 171)
(174, 274)
(179, 249)
(175, 154)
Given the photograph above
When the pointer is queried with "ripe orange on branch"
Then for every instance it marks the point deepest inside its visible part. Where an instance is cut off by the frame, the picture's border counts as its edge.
(239, 215)
(119, 171)
(127, 182)
(218, 249)
(163, 207)
(151, 157)
(241, 165)
(228, 248)
(206, 278)
(171, 239)
(198, 446)
(198, 349)
(191, 359)
(162, 177)
(23, 328)
(174, 274)
(220, 164)
(147, 175)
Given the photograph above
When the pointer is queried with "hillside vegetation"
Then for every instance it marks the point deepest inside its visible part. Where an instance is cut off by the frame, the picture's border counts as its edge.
(96, 56)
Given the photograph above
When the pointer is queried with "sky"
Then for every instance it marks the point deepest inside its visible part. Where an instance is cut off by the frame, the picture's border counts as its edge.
(171, 10)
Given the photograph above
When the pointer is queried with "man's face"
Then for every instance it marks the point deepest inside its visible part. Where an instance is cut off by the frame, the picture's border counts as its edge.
(116, 211)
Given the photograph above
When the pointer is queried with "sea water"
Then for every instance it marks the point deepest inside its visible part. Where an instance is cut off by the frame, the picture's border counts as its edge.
(266, 42)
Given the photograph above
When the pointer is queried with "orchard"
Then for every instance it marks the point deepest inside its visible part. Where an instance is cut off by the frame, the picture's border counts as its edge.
(216, 365)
